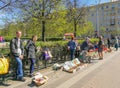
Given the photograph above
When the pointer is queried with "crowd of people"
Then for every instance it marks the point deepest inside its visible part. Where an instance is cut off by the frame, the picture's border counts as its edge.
(17, 51)
(99, 46)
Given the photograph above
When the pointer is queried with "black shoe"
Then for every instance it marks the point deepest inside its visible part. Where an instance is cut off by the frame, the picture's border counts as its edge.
(31, 75)
(21, 79)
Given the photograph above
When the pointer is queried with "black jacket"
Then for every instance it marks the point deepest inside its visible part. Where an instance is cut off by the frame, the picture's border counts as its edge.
(84, 46)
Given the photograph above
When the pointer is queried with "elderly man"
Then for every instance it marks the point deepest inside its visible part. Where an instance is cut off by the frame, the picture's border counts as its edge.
(17, 50)
(85, 44)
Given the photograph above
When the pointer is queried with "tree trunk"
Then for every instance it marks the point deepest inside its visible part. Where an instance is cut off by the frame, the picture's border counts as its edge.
(43, 30)
(43, 22)
(75, 27)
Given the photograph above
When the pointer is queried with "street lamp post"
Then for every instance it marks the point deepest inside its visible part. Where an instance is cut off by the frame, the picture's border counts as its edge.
(97, 17)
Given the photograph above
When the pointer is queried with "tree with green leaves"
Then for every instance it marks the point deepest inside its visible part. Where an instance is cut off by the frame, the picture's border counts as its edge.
(76, 13)
(39, 10)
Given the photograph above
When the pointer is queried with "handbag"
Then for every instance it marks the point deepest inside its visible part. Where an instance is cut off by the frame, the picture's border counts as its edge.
(4, 65)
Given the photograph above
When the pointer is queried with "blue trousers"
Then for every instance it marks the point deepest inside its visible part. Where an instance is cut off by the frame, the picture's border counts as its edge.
(19, 67)
(72, 53)
(32, 60)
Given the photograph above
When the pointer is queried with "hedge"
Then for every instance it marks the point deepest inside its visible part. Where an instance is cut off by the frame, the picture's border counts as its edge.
(8, 38)
(60, 43)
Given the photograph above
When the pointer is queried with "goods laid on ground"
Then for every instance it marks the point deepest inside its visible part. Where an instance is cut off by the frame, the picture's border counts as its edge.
(39, 79)
(92, 53)
(76, 62)
(56, 66)
(68, 69)
(73, 66)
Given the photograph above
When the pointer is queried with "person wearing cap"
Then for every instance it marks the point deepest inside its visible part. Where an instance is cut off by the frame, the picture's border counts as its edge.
(17, 51)
(72, 46)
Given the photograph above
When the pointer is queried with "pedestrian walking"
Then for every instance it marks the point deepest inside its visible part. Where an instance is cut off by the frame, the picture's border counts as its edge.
(31, 53)
(108, 43)
(116, 43)
(100, 48)
(17, 50)
(72, 47)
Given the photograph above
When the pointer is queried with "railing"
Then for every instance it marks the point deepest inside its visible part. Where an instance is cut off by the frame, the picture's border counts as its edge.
(60, 54)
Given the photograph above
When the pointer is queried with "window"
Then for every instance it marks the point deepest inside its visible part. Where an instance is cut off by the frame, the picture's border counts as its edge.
(118, 21)
(107, 29)
(113, 12)
(107, 6)
(107, 23)
(92, 14)
(118, 5)
(119, 11)
(102, 8)
(112, 22)
(113, 6)
(118, 17)
(113, 17)
(106, 13)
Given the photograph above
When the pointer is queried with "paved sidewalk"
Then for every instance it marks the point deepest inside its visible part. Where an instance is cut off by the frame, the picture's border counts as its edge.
(50, 73)
(15, 83)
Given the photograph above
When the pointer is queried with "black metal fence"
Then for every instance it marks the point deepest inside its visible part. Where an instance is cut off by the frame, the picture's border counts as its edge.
(60, 54)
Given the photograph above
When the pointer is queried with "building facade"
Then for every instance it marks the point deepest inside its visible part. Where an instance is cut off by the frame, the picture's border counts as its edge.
(105, 16)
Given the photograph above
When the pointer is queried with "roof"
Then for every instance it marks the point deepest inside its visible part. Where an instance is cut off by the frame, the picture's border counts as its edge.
(69, 34)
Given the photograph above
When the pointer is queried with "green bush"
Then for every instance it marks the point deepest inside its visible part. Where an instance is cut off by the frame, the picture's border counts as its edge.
(8, 38)
(60, 43)
(57, 41)
(51, 43)
(51, 39)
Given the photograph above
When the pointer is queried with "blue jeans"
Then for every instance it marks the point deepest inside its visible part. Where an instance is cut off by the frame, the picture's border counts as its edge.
(32, 60)
(19, 67)
(72, 53)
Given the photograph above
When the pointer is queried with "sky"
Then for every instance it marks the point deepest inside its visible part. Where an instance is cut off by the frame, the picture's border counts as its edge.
(93, 2)
(85, 2)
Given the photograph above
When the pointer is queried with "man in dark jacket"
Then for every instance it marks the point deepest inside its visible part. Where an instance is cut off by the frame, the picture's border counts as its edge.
(85, 44)
(17, 50)
(72, 47)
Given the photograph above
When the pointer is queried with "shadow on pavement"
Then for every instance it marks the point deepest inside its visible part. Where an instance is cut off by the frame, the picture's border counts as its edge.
(4, 84)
